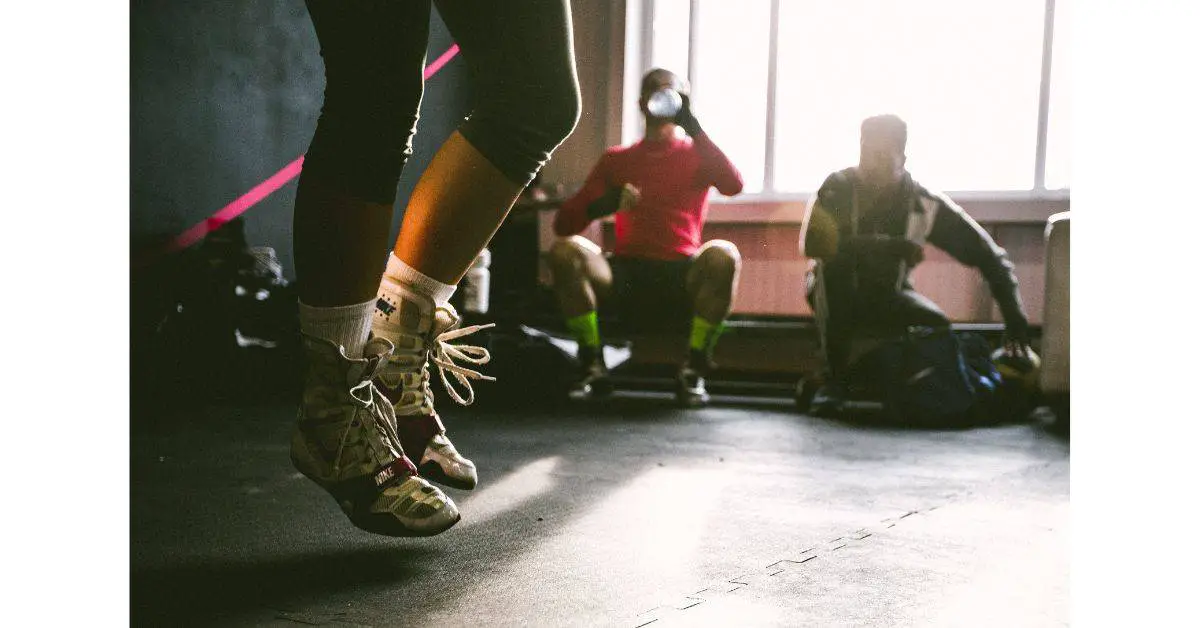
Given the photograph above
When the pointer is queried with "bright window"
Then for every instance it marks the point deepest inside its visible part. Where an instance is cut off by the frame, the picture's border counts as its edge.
(968, 93)
(672, 29)
(964, 74)
(1058, 136)
(731, 81)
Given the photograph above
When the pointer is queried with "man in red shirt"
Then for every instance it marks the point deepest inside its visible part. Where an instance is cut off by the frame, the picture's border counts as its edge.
(659, 274)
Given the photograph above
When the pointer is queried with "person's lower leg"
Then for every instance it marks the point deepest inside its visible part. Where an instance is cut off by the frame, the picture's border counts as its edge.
(338, 242)
(458, 204)
(713, 302)
(576, 299)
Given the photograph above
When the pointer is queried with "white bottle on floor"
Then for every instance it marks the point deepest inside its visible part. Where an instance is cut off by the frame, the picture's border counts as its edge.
(476, 284)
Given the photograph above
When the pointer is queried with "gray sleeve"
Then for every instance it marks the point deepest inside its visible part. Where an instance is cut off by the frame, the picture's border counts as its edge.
(957, 234)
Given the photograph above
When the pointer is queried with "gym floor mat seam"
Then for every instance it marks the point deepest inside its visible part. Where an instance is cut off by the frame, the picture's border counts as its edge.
(785, 566)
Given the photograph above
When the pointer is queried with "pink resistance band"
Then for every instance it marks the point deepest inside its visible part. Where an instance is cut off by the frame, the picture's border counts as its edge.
(256, 193)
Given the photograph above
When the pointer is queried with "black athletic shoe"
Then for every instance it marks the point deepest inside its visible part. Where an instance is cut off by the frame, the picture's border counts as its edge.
(828, 401)
(593, 376)
(690, 391)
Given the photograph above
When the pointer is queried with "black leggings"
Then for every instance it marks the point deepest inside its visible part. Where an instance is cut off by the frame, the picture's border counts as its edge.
(522, 64)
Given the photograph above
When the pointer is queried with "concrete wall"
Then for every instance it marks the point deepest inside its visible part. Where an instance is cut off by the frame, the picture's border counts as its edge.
(225, 94)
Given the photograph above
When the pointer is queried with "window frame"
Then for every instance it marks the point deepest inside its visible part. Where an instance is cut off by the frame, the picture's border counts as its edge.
(639, 46)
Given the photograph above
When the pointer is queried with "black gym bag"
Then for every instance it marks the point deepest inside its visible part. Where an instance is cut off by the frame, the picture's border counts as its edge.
(932, 378)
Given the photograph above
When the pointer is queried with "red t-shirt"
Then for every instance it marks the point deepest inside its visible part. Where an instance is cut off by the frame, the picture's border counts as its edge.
(673, 176)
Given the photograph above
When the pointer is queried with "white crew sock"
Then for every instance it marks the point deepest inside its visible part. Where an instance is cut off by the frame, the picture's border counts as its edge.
(403, 286)
(418, 282)
(346, 325)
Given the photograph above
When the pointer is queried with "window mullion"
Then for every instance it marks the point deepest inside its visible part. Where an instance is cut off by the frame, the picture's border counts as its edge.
(693, 48)
(772, 71)
(1039, 162)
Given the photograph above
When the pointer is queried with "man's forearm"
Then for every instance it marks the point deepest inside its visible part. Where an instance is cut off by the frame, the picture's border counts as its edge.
(716, 164)
(1002, 282)
(568, 222)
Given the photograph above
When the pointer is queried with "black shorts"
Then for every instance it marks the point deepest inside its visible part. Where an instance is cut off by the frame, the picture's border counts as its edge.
(649, 295)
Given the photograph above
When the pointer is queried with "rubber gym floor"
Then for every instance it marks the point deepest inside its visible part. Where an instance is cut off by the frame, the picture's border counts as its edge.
(628, 513)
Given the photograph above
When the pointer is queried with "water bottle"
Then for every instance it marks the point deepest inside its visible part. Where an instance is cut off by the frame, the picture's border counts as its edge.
(475, 284)
(664, 103)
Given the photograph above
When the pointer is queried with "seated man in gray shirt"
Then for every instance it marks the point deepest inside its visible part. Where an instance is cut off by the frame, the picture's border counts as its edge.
(865, 230)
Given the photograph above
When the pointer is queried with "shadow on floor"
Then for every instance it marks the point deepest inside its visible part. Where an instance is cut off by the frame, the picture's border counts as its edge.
(202, 593)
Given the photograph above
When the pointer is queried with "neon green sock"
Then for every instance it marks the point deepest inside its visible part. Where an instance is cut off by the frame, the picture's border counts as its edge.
(705, 334)
(586, 328)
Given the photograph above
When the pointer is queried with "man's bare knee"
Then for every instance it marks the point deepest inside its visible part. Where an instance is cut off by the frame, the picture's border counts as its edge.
(719, 259)
(569, 257)
(565, 254)
(720, 253)
(574, 246)
(561, 253)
